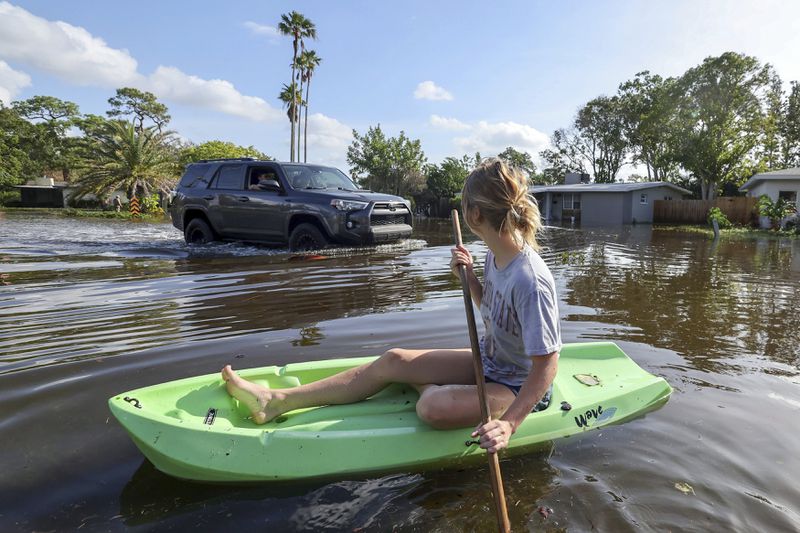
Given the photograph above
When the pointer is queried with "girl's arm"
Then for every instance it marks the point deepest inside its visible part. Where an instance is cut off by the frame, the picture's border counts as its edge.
(461, 256)
(495, 434)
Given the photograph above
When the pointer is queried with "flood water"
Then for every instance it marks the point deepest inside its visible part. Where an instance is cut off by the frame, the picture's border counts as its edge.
(89, 309)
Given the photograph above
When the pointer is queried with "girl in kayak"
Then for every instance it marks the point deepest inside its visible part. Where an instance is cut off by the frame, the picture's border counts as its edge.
(519, 307)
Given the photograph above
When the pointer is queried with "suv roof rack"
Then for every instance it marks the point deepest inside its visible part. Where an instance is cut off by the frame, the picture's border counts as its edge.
(227, 159)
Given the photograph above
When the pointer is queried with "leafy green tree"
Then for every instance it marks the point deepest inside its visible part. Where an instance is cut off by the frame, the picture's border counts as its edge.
(601, 132)
(17, 140)
(218, 150)
(392, 165)
(48, 144)
(299, 28)
(522, 160)
(293, 103)
(790, 129)
(138, 106)
(446, 180)
(120, 157)
(647, 104)
(768, 149)
(565, 156)
(309, 61)
(720, 118)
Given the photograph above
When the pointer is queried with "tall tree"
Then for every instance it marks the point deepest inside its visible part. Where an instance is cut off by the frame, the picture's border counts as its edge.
(522, 160)
(393, 165)
(138, 106)
(565, 156)
(647, 105)
(298, 27)
(768, 149)
(310, 61)
(122, 157)
(720, 118)
(50, 145)
(293, 103)
(600, 129)
(17, 143)
(790, 128)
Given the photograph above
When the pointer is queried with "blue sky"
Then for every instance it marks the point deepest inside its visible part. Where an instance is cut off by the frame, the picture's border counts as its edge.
(460, 76)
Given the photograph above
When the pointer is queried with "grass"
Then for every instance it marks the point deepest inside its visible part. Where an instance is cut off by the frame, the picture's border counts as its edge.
(732, 232)
(88, 213)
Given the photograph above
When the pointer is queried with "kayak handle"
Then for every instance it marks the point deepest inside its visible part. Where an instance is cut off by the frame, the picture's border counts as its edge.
(134, 401)
(471, 442)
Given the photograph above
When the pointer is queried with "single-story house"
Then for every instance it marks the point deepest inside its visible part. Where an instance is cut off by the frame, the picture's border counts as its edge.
(598, 204)
(46, 192)
(776, 184)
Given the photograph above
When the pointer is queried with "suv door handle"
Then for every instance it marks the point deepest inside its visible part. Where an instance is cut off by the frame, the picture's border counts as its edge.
(243, 198)
(209, 197)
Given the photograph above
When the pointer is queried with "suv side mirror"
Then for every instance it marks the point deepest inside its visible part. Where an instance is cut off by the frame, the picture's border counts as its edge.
(269, 185)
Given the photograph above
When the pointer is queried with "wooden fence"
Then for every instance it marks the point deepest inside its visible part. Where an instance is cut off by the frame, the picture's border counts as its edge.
(738, 209)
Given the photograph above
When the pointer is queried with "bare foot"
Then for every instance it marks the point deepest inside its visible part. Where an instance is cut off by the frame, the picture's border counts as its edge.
(263, 403)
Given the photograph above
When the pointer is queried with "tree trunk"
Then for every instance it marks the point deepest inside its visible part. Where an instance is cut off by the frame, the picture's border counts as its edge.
(293, 103)
(305, 127)
(299, 111)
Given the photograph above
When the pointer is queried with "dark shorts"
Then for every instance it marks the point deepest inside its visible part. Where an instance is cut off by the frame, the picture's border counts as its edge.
(543, 404)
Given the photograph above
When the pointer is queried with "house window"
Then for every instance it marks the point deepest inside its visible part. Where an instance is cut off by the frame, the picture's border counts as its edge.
(789, 196)
(668, 198)
(572, 201)
(643, 198)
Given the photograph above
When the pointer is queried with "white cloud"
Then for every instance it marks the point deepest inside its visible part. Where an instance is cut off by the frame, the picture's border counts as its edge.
(328, 140)
(491, 138)
(448, 123)
(220, 95)
(427, 90)
(67, 51)
(73, 54)
(262, 29)
(11, 82)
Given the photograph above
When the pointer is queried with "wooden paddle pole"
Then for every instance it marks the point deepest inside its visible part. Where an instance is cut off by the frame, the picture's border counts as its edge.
(494, 463)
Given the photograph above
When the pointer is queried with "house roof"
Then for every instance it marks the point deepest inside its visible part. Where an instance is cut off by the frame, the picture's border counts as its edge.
(785, 174)
(607, 187)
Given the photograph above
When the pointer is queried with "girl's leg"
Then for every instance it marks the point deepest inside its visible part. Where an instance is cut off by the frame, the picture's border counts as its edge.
(458, 406)
(416, 367)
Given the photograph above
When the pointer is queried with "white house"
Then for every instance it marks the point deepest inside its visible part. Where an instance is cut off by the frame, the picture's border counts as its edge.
(597, 204)
(776, 184)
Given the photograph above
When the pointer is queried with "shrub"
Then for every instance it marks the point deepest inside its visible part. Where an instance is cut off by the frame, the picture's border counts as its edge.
(775, 211)
(715, 213)
(793, 224)
(152, 204)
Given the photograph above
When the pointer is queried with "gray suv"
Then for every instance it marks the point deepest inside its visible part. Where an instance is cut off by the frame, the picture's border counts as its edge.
(305, 206)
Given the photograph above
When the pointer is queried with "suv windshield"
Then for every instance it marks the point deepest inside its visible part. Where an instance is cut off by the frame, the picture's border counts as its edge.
(313, 177)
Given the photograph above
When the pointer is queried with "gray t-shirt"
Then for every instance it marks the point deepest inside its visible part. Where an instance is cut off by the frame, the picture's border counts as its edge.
(520, 313)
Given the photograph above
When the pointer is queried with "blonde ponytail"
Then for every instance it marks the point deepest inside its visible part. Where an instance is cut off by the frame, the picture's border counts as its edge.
(500, 193)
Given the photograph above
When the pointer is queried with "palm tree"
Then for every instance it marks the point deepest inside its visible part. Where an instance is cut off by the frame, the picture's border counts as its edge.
(299, 28)
(292, 102)
(310, 61)
(122, 157)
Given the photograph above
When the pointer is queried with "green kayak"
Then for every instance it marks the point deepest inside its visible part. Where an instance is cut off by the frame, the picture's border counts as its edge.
(192, 429)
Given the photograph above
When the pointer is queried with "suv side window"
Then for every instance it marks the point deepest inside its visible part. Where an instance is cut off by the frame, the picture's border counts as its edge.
(228, 177)
(195, 176)
(256, 174)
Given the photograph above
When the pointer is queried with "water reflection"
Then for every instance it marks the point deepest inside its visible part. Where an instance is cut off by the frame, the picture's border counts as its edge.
(706, 301)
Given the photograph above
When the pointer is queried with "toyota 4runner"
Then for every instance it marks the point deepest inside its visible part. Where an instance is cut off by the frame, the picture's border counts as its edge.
(302, 205)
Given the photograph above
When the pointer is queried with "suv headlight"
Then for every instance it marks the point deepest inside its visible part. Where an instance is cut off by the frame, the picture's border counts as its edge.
(348, 205)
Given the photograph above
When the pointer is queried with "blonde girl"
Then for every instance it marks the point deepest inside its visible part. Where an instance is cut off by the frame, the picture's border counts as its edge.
(519, 308)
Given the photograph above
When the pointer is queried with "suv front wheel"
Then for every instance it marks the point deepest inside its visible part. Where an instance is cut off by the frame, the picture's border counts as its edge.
(307, 237)
(198, 232)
